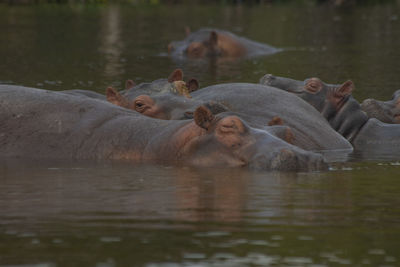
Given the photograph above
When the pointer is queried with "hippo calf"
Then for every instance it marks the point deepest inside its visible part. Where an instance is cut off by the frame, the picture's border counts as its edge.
(218, 43)
(44, 124)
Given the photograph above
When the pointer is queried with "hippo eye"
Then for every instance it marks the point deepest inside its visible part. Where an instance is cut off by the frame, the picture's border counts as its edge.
(139, 106)
(313, 87)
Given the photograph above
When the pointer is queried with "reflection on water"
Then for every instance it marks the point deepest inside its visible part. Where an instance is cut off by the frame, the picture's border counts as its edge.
(112, 44)
(113, 214)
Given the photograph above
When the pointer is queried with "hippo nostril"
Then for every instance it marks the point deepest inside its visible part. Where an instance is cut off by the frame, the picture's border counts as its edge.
(267, 79)
(289, 160)
(286, 160)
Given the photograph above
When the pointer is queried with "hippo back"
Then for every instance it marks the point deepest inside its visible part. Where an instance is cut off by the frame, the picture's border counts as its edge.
(46, 124)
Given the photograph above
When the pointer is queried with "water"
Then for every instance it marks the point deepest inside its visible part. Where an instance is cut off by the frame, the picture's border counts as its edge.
(115, 214)
(84, 214)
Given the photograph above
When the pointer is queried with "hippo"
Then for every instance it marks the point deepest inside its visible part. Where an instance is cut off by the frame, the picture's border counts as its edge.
(370, 137)
(385, 111)
(218, 43)
(174, 83)
(334, 102)
(300, 124)
(172, 86)
(41, 124)
(162, 89)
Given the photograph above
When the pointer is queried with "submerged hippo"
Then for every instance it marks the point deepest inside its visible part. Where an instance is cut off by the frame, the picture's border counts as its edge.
(218, 43)
(38, 123)
(259, 107)
(385, 111)
(370, 137)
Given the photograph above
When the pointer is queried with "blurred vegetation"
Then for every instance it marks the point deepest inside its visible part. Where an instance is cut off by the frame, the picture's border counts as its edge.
(221, 2)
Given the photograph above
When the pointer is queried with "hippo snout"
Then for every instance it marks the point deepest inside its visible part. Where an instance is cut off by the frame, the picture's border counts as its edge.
(290, 160)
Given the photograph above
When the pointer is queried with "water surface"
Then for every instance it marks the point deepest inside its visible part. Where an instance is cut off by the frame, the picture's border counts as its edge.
(117, 214)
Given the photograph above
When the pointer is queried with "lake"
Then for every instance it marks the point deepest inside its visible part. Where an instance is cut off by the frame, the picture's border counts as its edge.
(56, 213)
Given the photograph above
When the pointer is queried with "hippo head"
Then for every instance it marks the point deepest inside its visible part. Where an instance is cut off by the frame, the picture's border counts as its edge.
(287, 84)
(208, 47)
(226, 140)
(312, 90)
(165, 106)
(385, 111)
(198, 45)
(142, 98)
(321, 95)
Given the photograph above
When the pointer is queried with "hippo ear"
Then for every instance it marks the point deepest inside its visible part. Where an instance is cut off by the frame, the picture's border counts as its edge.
(114, 97)
(203, 117)
(313, 85)
(215, 107)
(176, 75)
(345, 89)
(289, 136)
(192, 85)
(179, 87)
(129, 84)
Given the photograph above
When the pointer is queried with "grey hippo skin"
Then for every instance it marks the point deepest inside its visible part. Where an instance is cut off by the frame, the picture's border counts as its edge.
(258, 106)
(85, 93)
(370, 137)
(43, 124)
(218, 43)
(385, 111)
